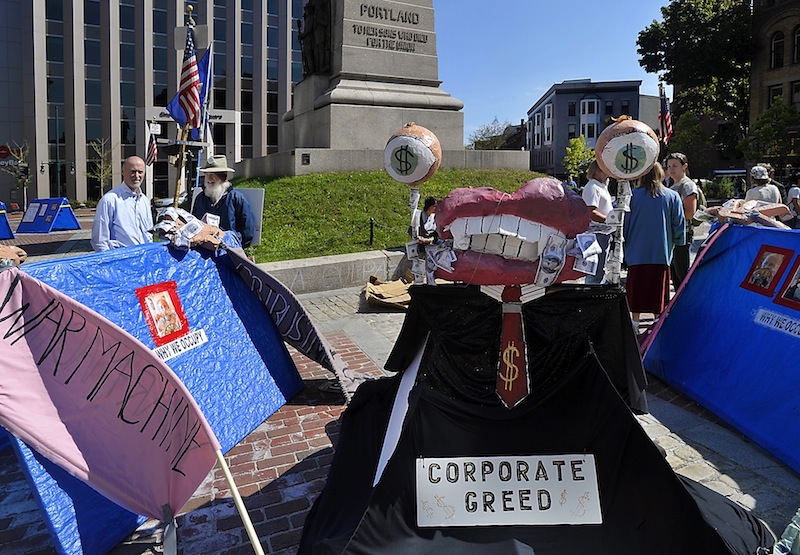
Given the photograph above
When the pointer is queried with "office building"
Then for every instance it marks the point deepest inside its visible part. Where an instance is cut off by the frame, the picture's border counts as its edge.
(581, 107)
(77, 73)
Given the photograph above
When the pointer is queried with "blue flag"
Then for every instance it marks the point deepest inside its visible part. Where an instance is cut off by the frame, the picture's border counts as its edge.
(176, 110)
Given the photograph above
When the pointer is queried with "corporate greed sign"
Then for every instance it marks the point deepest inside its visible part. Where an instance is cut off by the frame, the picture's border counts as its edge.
(95, 401)
(510, 490)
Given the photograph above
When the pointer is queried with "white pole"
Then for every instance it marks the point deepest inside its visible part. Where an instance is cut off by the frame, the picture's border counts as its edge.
(237, 499)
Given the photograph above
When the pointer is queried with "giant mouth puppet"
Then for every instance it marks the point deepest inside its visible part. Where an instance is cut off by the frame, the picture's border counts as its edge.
(502, 239)
(450, 456)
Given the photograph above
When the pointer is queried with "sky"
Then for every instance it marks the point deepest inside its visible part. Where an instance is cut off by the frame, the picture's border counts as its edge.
(499, 57)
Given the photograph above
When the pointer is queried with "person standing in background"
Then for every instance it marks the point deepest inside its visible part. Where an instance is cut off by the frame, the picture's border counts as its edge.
(123, 216)
(762, 189)
(653, 229)
(677, 170)
(598, 201)
(793, 202)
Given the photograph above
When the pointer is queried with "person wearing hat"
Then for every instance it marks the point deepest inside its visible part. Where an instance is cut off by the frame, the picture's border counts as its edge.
(221, 205)
(123, 217)
(762, 189)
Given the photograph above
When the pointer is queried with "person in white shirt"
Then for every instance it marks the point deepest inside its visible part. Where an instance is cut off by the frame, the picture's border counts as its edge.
(677, 169)
(793, 202)
(762, 189)
(123, 217)
(598, 200)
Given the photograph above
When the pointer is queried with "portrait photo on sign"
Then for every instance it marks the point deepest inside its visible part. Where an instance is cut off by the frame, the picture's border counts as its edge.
(768, 267)
(789, 294)
(163, 312)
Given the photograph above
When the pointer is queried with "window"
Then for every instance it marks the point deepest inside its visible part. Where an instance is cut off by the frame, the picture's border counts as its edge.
(590, 106)
(795, 95)
(625, 107)
(591, 132)
(572, 131)
(774, 93)
(92, 91)
(796, 45)
(609, 107)
(571, 109)
(548, 111)
(776, 51)
(55, 48)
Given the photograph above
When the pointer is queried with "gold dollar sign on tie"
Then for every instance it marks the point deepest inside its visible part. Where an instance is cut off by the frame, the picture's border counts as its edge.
(512, 370)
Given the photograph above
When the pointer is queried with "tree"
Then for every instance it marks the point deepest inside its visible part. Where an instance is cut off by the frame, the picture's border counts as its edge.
(578, 156)
(101, 168)
(690, 139)
(489, 136)
(704, 48)
(769, 137)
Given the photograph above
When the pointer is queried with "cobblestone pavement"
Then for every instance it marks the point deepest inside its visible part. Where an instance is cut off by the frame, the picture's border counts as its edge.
(282, 465)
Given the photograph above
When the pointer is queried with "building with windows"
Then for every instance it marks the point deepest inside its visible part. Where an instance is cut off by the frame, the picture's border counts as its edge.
(775, 68)
(581, 107)
(78, 73)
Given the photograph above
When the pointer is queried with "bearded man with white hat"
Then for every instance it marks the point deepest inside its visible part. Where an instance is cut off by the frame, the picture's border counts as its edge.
(222, 205)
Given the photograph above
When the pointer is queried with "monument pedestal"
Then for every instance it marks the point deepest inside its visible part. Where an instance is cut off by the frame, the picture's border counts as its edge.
(383, 73)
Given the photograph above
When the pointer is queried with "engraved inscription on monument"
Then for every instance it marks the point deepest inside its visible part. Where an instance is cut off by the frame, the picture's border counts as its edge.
(389, 26)
(386, 29)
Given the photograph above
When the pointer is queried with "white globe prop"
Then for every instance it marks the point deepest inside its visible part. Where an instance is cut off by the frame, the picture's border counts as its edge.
(627, 149)
(412, 155)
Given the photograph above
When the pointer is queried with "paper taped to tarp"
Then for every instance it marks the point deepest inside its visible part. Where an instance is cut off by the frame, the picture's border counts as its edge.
(730, 336)
(98, 403)
(230, 356)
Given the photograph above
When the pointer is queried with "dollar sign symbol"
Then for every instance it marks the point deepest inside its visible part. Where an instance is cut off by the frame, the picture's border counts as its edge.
(512, 370)
(402, 156)
(631, 163)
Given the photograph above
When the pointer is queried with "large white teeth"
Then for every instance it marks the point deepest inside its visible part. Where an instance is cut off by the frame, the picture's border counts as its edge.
(503, 234)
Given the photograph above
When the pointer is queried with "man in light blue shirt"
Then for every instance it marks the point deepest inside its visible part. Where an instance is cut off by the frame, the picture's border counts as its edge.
(123, 217)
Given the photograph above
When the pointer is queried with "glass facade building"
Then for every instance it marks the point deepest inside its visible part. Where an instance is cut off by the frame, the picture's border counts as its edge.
(82, 80)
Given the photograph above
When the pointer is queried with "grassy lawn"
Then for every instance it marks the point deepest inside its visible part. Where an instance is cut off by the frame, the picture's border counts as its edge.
(324, 214)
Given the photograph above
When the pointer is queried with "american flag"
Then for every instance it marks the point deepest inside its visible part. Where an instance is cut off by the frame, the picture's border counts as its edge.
(189, 93)
(152, 150)
(664, 116)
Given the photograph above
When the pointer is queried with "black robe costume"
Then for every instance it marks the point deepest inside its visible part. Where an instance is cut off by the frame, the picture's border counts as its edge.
(586, 378)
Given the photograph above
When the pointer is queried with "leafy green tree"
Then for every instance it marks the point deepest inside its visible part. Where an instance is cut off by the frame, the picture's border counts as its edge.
(704, 48)
(489, 136)
(690, 139)
(769, 135)
(578, 156)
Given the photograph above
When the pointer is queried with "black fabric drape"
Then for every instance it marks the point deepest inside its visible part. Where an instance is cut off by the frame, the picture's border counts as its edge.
(575, 407)
(461, 355)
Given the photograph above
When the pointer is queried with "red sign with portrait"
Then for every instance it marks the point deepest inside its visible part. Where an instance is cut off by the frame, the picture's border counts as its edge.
(163, 312)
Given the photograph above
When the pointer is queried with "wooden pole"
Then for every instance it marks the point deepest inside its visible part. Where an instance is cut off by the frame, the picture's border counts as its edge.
(237, 499)
(178, 185)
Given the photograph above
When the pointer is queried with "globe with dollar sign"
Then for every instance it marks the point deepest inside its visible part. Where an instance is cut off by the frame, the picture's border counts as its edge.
(627, 149)
(412, 155)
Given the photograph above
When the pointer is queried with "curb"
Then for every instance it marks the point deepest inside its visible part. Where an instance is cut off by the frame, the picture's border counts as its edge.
(341, 271)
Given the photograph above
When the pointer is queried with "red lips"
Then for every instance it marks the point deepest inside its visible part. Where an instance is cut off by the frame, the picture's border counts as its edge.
(542, 200)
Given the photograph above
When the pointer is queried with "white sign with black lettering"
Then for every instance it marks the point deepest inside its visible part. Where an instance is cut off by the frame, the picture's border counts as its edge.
(505, 491)
(181, 345)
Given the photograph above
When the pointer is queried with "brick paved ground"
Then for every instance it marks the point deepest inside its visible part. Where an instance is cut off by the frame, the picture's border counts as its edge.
(279, 469)
(282, 465)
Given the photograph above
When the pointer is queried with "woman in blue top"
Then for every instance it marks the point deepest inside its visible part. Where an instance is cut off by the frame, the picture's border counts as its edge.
(654, 226)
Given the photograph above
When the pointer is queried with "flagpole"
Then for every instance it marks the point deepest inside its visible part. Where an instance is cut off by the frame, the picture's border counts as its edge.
(206, 96)
(184, 136)
(237, 499)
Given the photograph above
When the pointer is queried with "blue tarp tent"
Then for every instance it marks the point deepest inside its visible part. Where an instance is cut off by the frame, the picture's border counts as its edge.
(731, 336)
(239, 376)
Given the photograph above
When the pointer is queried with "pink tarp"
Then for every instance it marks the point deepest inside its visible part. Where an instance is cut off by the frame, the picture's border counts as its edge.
(97, 402)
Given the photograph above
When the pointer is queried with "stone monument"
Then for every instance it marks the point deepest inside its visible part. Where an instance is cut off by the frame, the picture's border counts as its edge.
(369, 68)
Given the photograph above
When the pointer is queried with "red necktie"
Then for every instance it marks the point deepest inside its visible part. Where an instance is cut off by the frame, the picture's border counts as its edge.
(513, 383)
